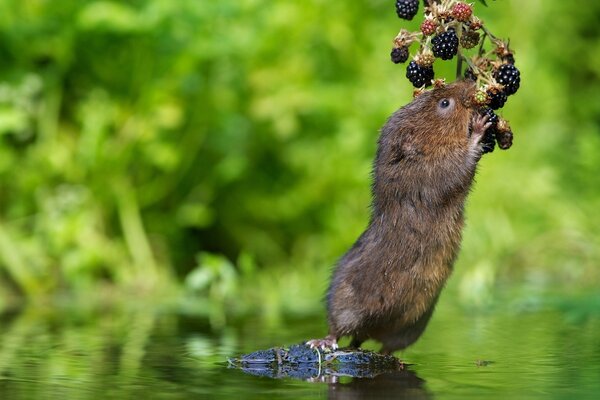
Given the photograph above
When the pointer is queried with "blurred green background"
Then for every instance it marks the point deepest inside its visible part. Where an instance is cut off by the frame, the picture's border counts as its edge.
(217, 154)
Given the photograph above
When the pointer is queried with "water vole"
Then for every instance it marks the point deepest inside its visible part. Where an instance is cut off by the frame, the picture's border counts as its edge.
(386, 286)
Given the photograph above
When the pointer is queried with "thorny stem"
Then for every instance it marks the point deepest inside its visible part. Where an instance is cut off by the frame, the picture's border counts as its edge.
(487, 32)
(459, 65)
(482, 76)
(459, 58)
(480, 52)
(469, 62)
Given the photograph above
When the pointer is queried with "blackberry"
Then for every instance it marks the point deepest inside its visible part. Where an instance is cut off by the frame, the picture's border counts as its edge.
(480, 98)
(428, 27)
(497, 98)
(509, 76)
(445, 45)
(407, 9)
(492, 117)
(469, 39)
(399, 55)
(462, 11)
(504, 135)
(509, 58)
(418, 75)
(470, 75)
(504, 139)
(488, 141)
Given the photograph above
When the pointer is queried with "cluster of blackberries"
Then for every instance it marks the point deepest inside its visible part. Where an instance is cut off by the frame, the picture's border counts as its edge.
(507, 80)
(499, 132)
(450, 26)
(492, 97)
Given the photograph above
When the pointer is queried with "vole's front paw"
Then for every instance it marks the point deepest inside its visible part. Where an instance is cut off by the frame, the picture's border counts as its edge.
(479, 124)
(328, 342)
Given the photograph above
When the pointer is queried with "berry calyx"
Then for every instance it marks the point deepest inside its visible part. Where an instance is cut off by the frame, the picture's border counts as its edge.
(428, 27)
(407, 9)
(439, 83)
(418, 75)
(462, 11)
(476, 24)
(445, 45)
(509, 76)
(503, 125)
(399, 54)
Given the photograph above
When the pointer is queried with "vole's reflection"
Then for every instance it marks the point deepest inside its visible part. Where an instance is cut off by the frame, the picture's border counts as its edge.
(391, 385)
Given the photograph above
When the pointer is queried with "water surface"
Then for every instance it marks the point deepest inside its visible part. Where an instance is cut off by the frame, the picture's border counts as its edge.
(506, 352)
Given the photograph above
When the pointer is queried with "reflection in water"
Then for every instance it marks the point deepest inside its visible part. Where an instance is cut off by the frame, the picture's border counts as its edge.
(133, 352)
(349, 374)
(71, 351)
(404, 384)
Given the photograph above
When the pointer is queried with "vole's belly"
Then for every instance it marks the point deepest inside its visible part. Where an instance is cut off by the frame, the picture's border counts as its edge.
(409, 302)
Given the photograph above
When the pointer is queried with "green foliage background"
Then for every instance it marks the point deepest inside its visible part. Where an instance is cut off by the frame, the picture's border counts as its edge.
(221, 150)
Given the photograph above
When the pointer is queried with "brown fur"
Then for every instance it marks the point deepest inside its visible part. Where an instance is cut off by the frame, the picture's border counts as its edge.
(386, 286)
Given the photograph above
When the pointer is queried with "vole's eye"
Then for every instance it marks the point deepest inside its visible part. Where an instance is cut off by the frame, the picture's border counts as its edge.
(445, 106)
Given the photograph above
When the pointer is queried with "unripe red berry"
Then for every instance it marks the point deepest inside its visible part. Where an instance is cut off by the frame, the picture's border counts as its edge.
(462, 11)
(428, 27)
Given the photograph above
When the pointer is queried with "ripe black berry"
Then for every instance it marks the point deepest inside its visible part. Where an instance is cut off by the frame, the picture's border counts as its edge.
(488, 141)
(445, 45)
(509, 58)
(497, 98)
(399, 55)
(492, 117)
(509, 76)
(407, 9)
(470, 75)
(419, 75)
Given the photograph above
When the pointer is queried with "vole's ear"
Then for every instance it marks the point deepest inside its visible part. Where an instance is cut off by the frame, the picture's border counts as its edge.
(406, 148)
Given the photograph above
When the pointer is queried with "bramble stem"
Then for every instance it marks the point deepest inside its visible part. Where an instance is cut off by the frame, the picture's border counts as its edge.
(459, 65)
(490, 34)
(481, 45)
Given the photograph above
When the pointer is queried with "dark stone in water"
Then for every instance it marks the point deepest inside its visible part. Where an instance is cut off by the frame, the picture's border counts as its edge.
(302, 362)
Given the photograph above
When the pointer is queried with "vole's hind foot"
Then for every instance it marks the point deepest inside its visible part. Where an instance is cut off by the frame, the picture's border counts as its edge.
(328, 342)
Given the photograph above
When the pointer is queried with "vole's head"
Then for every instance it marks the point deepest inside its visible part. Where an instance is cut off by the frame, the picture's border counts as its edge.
(435, 125)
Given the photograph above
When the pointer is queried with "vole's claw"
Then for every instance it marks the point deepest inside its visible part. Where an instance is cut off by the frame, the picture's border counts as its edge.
(328, 342)
(479, 124)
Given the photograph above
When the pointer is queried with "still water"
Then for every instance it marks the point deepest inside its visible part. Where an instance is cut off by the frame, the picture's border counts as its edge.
(522, 351)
